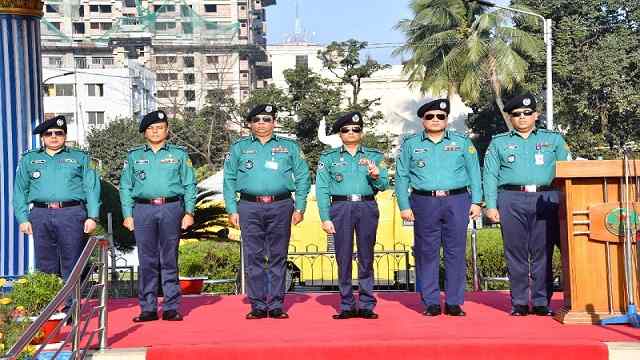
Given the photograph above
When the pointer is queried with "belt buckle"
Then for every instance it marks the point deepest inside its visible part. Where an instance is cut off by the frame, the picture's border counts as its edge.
(530, 188)
(54, 205)
(157, 201)
(355, 197)
(440, 193)
(265, 199)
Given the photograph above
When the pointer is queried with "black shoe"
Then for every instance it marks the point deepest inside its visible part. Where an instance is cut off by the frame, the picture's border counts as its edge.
(278, 314)
(171, 315)
(346, 314)
(146, 316)
(256, 314)
(541, 311)
(367, 314)
(432, 310)
(520, 310)
(454, 310)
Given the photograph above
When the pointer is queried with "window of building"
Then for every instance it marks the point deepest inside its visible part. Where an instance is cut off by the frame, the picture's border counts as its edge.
(55, 25)
(185, 10)
(165, 26)
(81, 11)
(213, 76)
(213, 59)
(64, 89)
(167, 76)
(52, 8)
(78, 28)
(189, 79)
(95, 117)
(187, 27)
(81, 62)
(164, 8)
(55, 61)
(188, 61)
(163, 60)
(107, 60)
(94, 8)
(49, 89)
(105, 9)
(302, 61)
(105, 26)
(190, 95)
(94, 26)
(165, 94)
(95, 89)
(210, 8)
(129, 3)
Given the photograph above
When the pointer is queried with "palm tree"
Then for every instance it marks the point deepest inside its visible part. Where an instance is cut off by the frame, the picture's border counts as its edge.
(457, 46)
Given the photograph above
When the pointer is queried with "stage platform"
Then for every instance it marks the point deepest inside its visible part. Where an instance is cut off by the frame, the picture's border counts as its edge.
(215, 328)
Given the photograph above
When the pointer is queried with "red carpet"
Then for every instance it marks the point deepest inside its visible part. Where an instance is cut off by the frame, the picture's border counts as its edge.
(215, 328)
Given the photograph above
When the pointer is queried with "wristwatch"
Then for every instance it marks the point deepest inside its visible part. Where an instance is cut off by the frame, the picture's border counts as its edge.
(299, 211)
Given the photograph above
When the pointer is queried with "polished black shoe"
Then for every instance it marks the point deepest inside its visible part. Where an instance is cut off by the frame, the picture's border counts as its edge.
(278, 314)
(432, 310)
(171, 315)
(146, 316)
(541, 311)
(367, 314)
(454, 310)
(346, 314)
(520, 310)
(256, 314)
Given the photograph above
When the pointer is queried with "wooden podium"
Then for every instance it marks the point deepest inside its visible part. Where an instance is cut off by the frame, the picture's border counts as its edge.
(592, 238)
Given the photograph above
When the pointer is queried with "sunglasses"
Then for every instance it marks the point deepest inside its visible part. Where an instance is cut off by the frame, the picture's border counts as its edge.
(355, 129)
(53, 133)
(520, 113)
(266, 119)
(431, 116)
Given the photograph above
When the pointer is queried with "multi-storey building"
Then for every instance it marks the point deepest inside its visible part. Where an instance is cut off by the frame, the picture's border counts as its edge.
(192, 46)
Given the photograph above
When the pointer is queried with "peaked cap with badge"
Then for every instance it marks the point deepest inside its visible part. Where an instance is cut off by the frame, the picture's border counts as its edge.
(58, 122)
(526, 101)
(152, 118)
(439, 104)
(351, 118)
(262, 109)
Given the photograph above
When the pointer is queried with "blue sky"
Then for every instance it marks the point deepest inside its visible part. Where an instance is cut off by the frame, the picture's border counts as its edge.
(329, 20)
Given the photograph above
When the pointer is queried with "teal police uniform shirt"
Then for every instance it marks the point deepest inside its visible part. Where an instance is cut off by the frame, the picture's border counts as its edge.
(449, 164)
(68, 175)
(514, 160)
(165, 173)
(340, 173)
(275, 167)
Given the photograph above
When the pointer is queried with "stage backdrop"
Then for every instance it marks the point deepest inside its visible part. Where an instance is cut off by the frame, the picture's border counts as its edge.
(20, 111)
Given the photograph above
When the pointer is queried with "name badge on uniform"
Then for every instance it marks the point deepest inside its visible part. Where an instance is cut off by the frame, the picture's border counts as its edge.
(142, 161)
(272, 165)
(341, 163)
(169, 161)
(279, 150)
(68, 161)
(38, 161)
(452, 147)
(512, 147)
(539, 159)
(248, 152)
(419, 150)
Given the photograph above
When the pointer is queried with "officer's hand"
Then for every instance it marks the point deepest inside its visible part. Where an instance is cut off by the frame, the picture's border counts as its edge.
(25, 228)
(297, 217)
(328, 227)
(407, 215)
(128, 223)
(493, 215)
(234, 220)
(374, 172)
(187, 221)
(475, 211)
(89, 226)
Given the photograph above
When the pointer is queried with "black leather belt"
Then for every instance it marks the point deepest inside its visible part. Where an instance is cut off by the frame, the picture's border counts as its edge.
(265, 199)
(527, 188)
(58, 204)
(439, 193)
(352, 197)
(159, 201)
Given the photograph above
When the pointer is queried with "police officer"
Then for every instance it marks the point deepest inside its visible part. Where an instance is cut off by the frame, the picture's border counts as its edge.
(264, 169)
(518, 170)
(347, 180)
(440, 167)
(62, 185)
(158, 192)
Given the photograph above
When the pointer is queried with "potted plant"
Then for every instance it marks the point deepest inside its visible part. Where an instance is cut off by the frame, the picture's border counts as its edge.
(192, 270)
(32, 293)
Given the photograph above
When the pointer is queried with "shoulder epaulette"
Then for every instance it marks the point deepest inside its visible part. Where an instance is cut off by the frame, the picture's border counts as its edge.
(548, 131)
(79, 150)
(29, 151)
(179, 147)
(374, 150)
(458, 134)
(139, 147)
(500, 135)
(244, 138)
(329, 151)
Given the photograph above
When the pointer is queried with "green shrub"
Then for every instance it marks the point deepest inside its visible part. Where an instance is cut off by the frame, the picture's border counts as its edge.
(213, 259)
(35, 291)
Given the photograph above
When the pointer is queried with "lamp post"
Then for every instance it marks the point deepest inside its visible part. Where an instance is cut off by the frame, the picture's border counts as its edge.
(548, 40)
(59, 75)
(75, 94)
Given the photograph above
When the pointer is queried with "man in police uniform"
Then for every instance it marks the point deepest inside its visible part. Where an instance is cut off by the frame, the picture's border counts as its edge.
(62, 185)
(440, 166)
(518, 170)
(264, 169)
(158, 194)
(347, 180)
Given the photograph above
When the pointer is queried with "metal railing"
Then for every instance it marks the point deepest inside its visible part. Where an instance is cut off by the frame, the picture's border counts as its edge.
(80, 313)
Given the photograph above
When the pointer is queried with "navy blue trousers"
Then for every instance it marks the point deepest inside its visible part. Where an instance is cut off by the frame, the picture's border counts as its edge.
(441, 221)
(530, 228)
(59, 238)
(266, 229)
(361, 217)
(157, 233)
